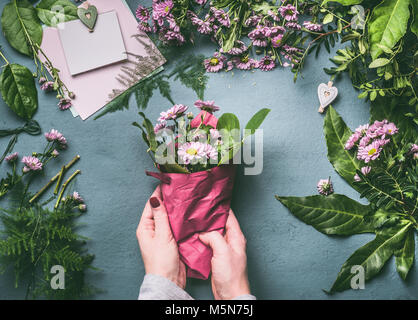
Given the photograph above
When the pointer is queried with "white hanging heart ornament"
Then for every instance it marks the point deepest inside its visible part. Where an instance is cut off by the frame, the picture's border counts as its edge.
(326, 95)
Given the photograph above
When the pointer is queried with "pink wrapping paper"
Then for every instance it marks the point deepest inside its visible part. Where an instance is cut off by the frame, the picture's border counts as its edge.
(197, 202)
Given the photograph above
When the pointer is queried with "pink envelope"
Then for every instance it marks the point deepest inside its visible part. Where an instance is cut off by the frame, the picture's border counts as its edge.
(197, 202)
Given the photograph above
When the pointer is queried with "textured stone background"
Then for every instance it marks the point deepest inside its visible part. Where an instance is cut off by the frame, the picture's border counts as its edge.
(286, 258)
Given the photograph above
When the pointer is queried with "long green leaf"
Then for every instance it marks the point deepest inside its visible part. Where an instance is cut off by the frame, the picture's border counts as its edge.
(335, 214)
(387, 25)
(336, 135)
(344, 2)
(18, 89)
(20, 22)
(53, 12)
(228, 121)
(256, 121)
(414, 25)
(372, 256)
(406, 255)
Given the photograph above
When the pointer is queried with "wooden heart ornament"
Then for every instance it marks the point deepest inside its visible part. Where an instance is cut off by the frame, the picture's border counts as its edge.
(326, 95)
(88, 16)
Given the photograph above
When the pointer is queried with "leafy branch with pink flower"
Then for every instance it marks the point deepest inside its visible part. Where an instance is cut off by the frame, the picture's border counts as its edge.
(380, 161)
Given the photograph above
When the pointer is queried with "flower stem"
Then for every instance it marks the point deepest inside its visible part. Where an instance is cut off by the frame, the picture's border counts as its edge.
(64, 186)
(66, 167)
(61, 174)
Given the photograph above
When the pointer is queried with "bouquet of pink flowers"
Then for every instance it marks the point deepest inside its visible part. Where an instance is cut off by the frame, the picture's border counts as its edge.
(193, 156)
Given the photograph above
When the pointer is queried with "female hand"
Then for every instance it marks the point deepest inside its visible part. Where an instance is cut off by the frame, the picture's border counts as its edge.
(229, 261)
(158, 247)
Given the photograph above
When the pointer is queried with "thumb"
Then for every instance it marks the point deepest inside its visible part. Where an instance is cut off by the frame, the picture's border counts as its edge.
(215, 241)
(162, 226)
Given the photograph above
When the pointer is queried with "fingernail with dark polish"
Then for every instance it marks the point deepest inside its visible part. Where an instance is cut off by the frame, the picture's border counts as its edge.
(155, 203)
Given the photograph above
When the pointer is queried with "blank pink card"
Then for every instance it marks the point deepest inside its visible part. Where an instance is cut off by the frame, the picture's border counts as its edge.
(94, 89)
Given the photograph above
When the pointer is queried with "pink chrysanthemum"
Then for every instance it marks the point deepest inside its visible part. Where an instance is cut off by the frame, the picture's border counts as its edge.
(12, 157)
(266, 64)
(204, 27)
(253, 20)
(173, 113)
(289, 12)
(159, 126)
(293, 25)
(325, 187)
(222, 17)
(47, 86)
(31, 164)
(239, 48)
(54, 135)
(214, 64)
(196, 152)
(369, 152)
(244, 62)
(365, 171)
(142, 13)
(312, 26)
(201, 2)
(277, 41)
(161, 9)
(352, 140)
(77, 198)
(64, 104)
(206, 106)
(145, 27)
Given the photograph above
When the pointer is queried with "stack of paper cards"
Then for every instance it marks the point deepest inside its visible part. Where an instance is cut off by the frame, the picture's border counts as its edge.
(85, 50)
(101, 65)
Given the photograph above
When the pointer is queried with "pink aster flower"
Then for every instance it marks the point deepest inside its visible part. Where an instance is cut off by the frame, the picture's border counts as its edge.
(82, 207)
(325, 187)
(204, 27)
(142, 13)
(253, 20)
(289, 12)
(293, 25)
(214, 64)
(206, 106)
(244, 62)
(238, 48)
(369, 152)
(312, 26)
(31, 164)
(47, 86)
(12, 157)
(64, 104)
(352, 140)
(77, 198)
(196, 152)
(388, 128)
(159, 126)
(266, 64)
(365, 171)
(273, 15)
(201, 2)
(414, 148)
(277, 41)
(145, 27)
(54, 135)
(260, 42)
(55, 153)
(222, 17)
(173, 113)
(161, 9)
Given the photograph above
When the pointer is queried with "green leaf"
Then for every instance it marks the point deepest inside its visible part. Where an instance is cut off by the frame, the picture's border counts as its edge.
(336, 135)
(372, 256)
(379, 62)
(328, 18)
(228, 121)
(414, 25)
(150, 132)
(406, 255)
(18, 89)
(387, 25)
(53, 12)
(20, 22)
(256, 121)
(335, 214)
(344, 2)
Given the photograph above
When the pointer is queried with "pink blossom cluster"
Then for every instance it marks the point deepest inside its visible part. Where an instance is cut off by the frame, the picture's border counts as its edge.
(370, 139)
(265, 31)
(55, 136)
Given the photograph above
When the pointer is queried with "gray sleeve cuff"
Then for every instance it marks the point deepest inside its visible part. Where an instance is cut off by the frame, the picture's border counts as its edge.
(245, 297)
(155, 287)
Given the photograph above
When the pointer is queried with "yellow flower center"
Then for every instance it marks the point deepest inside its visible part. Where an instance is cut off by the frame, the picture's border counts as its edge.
(372, 151)
(167, 8)
(214, 61)
(245, 59)
(192, 151)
